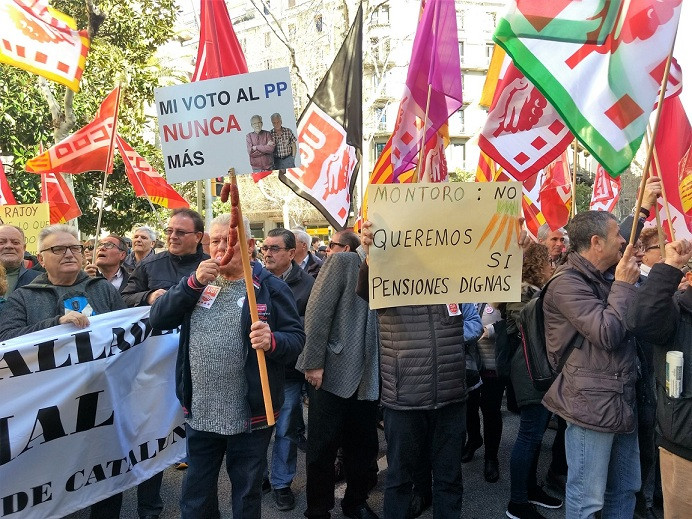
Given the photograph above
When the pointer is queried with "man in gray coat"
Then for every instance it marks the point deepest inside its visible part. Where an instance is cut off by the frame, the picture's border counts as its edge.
(595, 391)
(340, 361)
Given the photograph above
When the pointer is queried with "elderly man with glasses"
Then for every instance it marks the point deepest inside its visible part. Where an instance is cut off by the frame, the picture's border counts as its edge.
(63, 294)
(110, 255)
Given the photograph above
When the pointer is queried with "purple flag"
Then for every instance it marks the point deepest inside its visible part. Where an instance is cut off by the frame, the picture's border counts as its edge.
(434, 68)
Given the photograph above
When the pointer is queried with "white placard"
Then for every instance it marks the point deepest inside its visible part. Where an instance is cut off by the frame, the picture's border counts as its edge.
(204, 125)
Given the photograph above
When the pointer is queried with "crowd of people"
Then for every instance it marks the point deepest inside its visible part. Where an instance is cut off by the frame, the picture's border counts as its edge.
(430, 372)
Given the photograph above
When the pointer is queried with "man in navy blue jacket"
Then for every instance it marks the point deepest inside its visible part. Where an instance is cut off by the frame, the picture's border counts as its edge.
(217, 374)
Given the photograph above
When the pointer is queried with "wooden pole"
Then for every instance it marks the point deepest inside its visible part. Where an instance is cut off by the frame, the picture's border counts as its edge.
(663, 193)
(252, 304)
(574, 181)
(659, 228)
(420, 170)
(109, 165)
(649, 152)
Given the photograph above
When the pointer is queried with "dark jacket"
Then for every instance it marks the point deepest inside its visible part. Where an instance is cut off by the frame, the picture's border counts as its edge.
(162, 270)
(313, 265)
(25, 276)
(40, 304)
(596, 388)
(524, 391)
(663, 317)
(422, 354)
(300, 283)
(175, 307)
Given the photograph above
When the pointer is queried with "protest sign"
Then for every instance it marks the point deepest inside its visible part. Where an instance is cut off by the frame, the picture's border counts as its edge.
(86, 413)
(30, 218)
(204, 126)
(445, 243)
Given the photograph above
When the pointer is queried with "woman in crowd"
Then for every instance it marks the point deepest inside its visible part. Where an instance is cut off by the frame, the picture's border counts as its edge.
(525, 492)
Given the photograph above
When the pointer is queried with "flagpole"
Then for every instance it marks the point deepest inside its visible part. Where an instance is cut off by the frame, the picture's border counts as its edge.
(252, 304)
(659, 228)
(574, 181)
(663, 194)
(109, 165)
(649, 152)
(419, 170)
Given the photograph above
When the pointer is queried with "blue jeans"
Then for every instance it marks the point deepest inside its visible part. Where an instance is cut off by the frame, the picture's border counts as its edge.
(412, 435)
(285, 163)
(285, 450)
(603, 473)
(246, 459)
(524, 461)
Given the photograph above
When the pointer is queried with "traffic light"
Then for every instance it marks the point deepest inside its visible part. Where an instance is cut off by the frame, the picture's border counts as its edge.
(216, 186)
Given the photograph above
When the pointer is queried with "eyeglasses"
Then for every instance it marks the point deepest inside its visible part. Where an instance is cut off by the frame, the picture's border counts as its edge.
(652, 247)
(108, 245)
(60, 250)
(335, 243)
(273, 248)
(177, 232)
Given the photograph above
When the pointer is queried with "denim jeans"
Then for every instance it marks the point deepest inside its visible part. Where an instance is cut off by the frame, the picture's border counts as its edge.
(524, 461)
(437, 434)
(603, 473)
(246, 458)
(285, 450)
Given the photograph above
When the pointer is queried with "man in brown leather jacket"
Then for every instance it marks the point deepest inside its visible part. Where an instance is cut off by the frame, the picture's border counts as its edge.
(595, 391)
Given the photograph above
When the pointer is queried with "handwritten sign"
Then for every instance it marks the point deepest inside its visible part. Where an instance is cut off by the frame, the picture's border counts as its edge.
(204, 126)
(30, 218)
(444, 243)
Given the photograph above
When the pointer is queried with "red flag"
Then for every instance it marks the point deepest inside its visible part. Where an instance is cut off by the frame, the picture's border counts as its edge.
(219, 53)
(6, 196)
(85, 150)
(145, 180)
(523, 132)
(62, 203)
(606, 191)
(43, 41)
(673, 141)
(556, 193)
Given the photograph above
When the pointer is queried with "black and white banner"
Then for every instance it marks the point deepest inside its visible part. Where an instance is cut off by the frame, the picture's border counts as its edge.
(85, 414)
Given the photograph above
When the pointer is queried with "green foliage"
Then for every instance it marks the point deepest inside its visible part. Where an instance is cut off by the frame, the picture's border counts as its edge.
(583, 197)
(123, 50)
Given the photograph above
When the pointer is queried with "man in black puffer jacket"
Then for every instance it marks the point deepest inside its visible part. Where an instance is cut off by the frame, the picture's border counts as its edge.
(423, 367)
(664, 317)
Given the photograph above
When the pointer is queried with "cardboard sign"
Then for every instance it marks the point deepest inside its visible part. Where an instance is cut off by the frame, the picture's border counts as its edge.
(204, 126)
(445, 243)
(30, 218)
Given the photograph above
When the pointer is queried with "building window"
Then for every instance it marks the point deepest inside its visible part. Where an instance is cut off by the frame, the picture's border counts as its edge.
(381, 15)
(257, 230)
(318, 23)
(490, 21)
(381, 118)
(489, 51)
(375, 48)
(460, 20)
(379, 147)
(462, 46)
(462, 124)
(267, 39)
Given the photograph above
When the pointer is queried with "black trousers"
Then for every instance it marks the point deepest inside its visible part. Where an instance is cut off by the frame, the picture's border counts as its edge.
(487, 398)
(333, 422)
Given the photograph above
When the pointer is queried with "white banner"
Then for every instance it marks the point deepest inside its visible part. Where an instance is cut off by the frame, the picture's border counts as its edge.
(85, 414)
(204, 126)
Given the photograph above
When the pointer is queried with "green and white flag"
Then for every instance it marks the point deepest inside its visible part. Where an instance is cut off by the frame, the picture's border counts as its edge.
(599, 62)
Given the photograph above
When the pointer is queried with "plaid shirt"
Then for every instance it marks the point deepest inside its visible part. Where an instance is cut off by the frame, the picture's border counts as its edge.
(283, 142)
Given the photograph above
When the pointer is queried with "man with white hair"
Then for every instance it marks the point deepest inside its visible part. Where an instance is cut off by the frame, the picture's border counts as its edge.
(304, 257)
(554, 240)
(143, 242)
(63, 294)
(217, 374)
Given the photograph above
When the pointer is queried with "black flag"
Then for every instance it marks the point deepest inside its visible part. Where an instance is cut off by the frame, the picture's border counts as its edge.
(330, 133)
